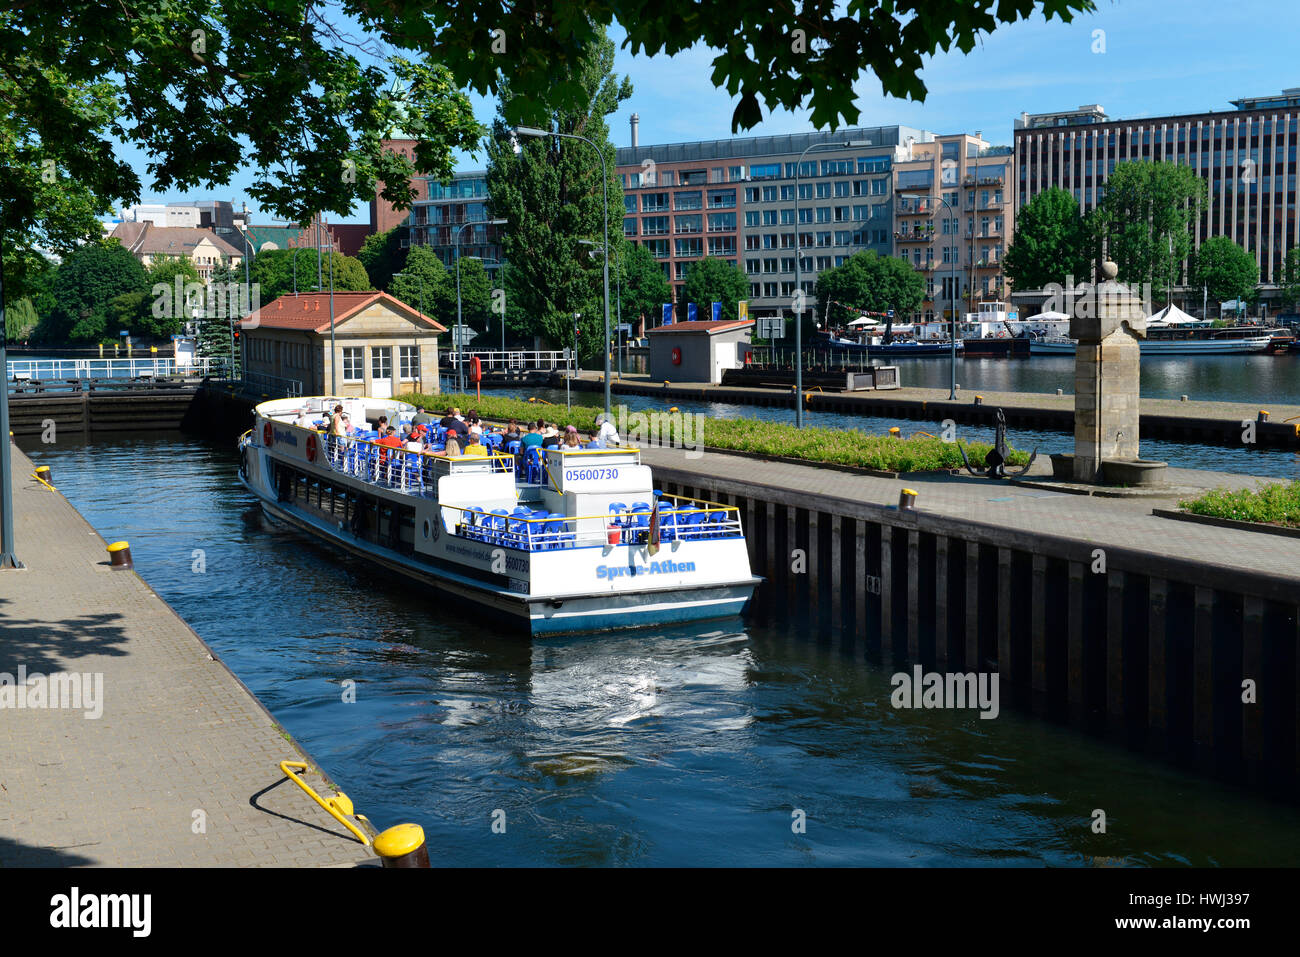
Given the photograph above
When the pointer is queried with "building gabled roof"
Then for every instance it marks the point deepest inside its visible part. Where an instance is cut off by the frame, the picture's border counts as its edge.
(146, 239)
(310, 311)
(707, 326)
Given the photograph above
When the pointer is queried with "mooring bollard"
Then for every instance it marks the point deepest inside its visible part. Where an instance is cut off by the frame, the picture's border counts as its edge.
(979, 400)
(402, 846)
(1060, 392)
(1263, 416)
(907, 500)
(1182, 398)
(44, 474)
(119, 555)
(895, 432)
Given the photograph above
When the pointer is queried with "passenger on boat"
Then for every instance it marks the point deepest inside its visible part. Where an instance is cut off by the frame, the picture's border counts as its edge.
(337, 422)
(453, 422)
(475, 426)
(533, 437)
(551, 437)
(475, 446)
(388, 440)
(571, 438)
(304, 420)
(452, 447)
(415, 440)
(512, 433)
(607, 437)
(382, 425)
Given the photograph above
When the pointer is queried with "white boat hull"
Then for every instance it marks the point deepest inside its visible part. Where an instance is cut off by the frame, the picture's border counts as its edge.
(1183, 347)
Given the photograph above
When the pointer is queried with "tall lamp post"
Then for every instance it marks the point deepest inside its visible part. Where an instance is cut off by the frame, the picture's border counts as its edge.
(7, 557)
(798, 276)
(604, 183)
(460, 325)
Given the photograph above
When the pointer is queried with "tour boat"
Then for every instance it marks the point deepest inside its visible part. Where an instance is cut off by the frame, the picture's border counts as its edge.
(566, 541)
(1179, 341)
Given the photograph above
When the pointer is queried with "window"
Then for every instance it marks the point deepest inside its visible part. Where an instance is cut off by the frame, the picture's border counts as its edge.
(654, 225)
(787, 217)
(694, 200)
(721, 222)
(751, 194)
(769, 217)
(722, 198)
(823, 214)
(769, 194)
(823, 239)
(735, 173)
(352, 363)
(769, 265)
(751, 218)
(805, 191)
(879, 187)
(841, 214)
(689, 224)
(381, 363)
(753, 266)
(873, 164)
(861, 213)
(765, 171)
(408, 358)
(629, 226)
(823, 190)
(690, 247)
(787, 264)
(837, 167)
(629, 204)
(769, 240)
(842, 188)
(787, 194)
(722, 245)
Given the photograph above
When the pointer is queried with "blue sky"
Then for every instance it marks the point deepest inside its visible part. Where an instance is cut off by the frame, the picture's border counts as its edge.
(1159, 58)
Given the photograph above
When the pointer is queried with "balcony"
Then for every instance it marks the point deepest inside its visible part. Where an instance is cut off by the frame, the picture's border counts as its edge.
(913, 237)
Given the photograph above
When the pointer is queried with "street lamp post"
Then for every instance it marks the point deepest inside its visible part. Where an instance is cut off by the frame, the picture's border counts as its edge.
(798, 278)
(460, 325)
(7, 557)
(604, 183)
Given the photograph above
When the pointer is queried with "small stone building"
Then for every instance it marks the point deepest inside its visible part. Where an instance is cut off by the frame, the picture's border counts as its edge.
(383, 347)
(698, 351)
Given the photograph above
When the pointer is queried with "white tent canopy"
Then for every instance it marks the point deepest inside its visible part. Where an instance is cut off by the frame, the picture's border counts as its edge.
(1047, 317)
(1172, 315)
(865, 321)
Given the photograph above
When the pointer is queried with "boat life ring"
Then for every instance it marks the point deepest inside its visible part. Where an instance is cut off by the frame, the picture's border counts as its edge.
(268, 435)
(677, 357)
(311, 447)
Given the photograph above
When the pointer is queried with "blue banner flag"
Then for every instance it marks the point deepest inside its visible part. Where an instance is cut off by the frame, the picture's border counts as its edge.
(668, 314)
(717, 311)
(691, 312)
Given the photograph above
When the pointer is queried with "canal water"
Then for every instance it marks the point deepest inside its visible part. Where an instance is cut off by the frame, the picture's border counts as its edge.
(658, 747)
(1244, 459)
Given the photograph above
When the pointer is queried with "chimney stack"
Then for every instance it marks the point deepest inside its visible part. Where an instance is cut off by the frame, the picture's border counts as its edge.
(636, 122)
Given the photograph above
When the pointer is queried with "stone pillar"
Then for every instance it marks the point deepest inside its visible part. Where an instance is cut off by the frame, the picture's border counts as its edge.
(1107, 325)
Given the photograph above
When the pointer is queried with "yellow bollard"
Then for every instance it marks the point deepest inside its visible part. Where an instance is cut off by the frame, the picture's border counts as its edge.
(895, 432)
(119, 555)
(673, 409)
(1263, 416)
(44, 474)
(907, 500)
(402, 846)
(979, 400)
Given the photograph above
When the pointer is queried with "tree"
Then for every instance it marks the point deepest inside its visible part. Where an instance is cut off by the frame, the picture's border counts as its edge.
(162, 313)
(551, 195)
(475, 294)
(1051, 242)
(383, 254)
(273, 272)
(645, 287)
(1224, 269)
(20, 320)
(868, 282)
(426, 284)
(1291, 277)
(85, 284)
(1143, 221)
(709, 281)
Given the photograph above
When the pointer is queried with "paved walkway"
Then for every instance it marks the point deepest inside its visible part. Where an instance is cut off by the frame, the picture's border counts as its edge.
(938, 399)
(181, 768)
(1115, 522)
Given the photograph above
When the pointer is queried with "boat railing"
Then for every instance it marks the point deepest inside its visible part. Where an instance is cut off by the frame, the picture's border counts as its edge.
(402, 469)
(535, 530)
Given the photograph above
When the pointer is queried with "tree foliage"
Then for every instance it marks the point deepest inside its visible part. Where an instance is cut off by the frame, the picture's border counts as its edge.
(20, 320)
(425, 284)
(273, 272)
(870, 282)
(1291, 277)
(552, 198)
(86, 283)
(382, 254)
(709, 281)
(1051, 242)
(1143, 221)
(1224, 270)
(645, 287)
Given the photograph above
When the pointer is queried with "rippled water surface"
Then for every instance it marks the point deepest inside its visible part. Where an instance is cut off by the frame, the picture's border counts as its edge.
(677, 746)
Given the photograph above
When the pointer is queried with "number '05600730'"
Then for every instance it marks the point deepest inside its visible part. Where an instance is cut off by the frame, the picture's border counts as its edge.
(585, 475)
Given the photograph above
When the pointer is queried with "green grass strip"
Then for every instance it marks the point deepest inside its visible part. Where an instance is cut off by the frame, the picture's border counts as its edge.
(1273, 504)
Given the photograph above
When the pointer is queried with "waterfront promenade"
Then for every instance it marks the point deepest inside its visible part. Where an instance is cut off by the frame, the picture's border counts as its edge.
(180, 768)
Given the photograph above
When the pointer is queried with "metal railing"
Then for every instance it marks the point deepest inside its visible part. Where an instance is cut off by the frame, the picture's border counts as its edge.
(273, 385)
(398, 468)
(497, 361)
(122, 368)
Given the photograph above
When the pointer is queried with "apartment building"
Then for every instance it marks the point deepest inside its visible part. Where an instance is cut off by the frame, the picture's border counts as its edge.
(754, 202)
(953, 209)
(1247, 156)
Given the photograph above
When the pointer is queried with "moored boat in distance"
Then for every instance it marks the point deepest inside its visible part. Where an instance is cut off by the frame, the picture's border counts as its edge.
(548, 544)
(1177, 341)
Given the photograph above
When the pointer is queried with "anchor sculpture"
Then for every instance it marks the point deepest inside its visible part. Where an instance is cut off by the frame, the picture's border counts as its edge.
(995, 461)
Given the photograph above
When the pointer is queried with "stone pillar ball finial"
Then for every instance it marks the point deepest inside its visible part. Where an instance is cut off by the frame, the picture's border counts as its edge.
(1109, 270)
